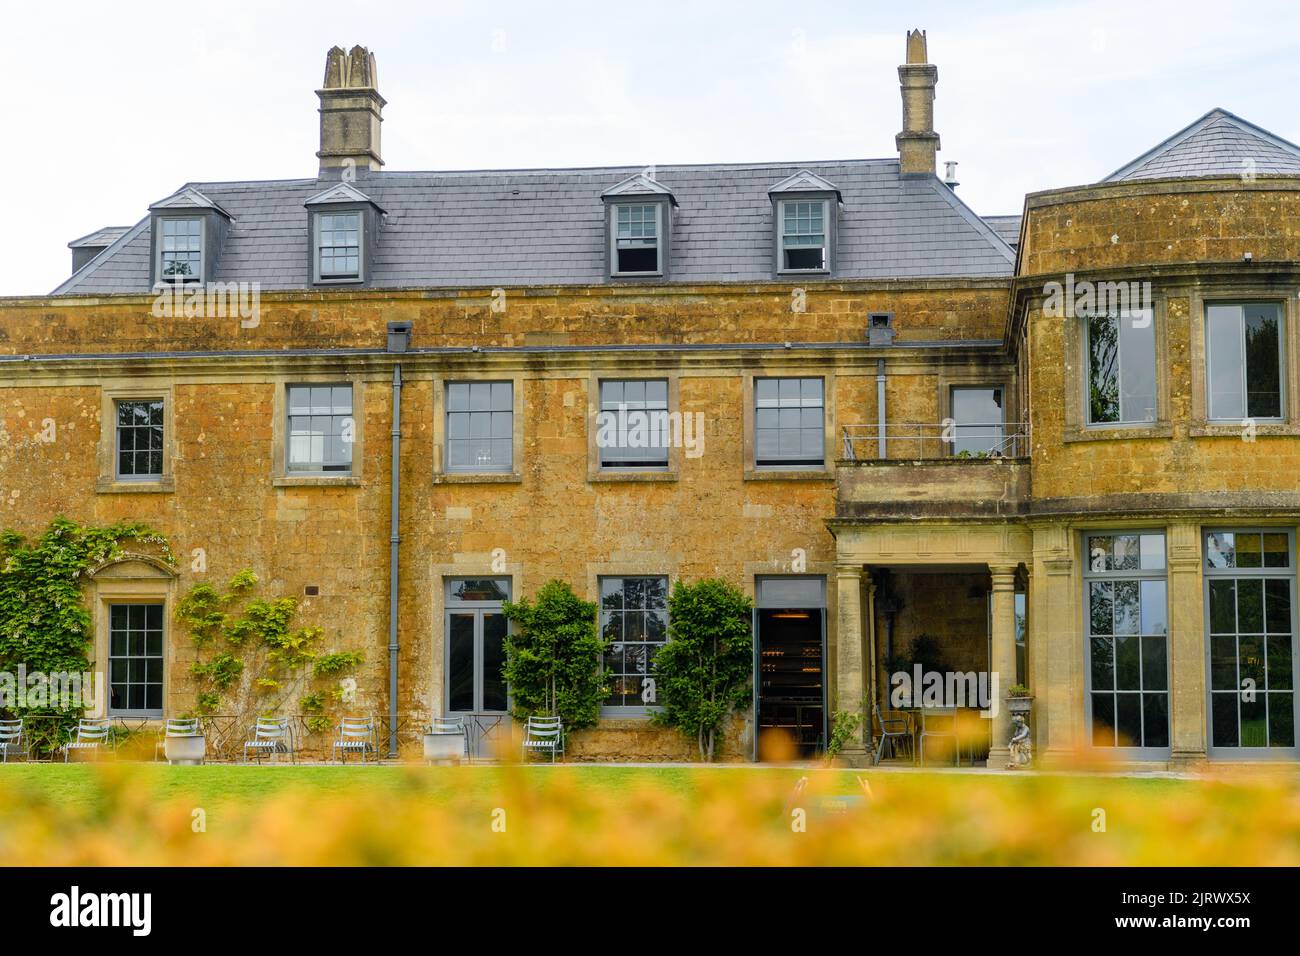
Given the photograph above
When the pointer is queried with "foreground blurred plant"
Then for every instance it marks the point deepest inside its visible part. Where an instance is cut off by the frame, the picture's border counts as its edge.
(599, 816)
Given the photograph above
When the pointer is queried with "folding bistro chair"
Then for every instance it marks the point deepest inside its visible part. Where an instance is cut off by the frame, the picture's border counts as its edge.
(271, 735)
(92, 734)
(356, 735)
(441, 740)
(894, 730)
(543, 735)
(11, 739)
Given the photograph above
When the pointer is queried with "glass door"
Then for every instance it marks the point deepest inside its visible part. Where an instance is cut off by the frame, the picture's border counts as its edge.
(475, 635)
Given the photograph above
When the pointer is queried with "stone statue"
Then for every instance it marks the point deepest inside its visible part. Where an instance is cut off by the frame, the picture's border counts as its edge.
(1022, 748)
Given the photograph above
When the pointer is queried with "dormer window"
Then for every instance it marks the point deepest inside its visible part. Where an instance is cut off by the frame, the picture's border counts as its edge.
(803, 236)
(180, 250)
(804, 208)
(638, 216)
(636, 239)
(343, 223)
(187, 232)
(338, 246)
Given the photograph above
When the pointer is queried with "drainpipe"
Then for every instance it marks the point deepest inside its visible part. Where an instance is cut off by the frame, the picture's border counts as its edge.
(399, 337)
(880, 408)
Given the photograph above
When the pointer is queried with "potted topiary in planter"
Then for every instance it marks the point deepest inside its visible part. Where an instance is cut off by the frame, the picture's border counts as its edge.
(1019, 700)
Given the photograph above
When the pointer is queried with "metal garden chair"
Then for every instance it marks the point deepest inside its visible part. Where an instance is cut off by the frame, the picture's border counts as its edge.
(356, 735)
(11, 739)
(940, 723)
(894, 730)
(175, 727)
(92, 734)
(271, 735)
(444, 731)
(543, 735)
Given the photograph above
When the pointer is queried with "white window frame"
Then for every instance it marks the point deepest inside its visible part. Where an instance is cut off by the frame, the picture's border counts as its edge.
(316, 276)
(289, 469)
(780, 237)
(158, 249)
(659, 238)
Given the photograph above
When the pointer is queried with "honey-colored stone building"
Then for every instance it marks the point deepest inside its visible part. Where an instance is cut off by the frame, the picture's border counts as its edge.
(1060, 447)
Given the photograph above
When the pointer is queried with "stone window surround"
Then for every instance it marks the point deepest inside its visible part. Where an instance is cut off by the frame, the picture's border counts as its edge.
(281, 477)
(755, 472)
(1200, 425)
(111, 393)
(131, 580)
(595, 471)
(1075, 426)
(440, 382)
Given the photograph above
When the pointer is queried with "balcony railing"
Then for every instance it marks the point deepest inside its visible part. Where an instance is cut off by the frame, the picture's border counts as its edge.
(929, 441)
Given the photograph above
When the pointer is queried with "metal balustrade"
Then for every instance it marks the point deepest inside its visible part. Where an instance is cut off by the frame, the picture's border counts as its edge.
(930, 441)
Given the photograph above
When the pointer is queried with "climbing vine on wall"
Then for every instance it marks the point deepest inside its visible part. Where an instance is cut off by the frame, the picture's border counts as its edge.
(252, 661)
(44, 622)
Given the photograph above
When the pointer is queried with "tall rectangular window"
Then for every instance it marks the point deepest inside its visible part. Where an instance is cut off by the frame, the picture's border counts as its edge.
(135, 659)
(978, 418)
(634, 617)
(632, 430)
(1244, 349)
(1121, 368)
(1250, 589)
(803, 236)
(180, 249)
(789, 422)
(636, 239)
(321, 429)
(338, 245)
(480, 426)
(1127, 603)
(140, 439)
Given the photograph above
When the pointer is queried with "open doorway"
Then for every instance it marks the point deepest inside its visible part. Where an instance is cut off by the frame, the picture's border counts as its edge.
(790, 652)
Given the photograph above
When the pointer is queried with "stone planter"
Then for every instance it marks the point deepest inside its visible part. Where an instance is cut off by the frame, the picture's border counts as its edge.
(185, 750)
(439, 748)
(1020, 705)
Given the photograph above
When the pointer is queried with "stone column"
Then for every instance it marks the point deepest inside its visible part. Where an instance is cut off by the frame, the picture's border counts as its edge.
(850, 677)
(1002, 658)
(1187, 717)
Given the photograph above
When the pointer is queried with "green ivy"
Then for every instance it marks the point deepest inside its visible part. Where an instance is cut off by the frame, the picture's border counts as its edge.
(44, 622)
(329, 664)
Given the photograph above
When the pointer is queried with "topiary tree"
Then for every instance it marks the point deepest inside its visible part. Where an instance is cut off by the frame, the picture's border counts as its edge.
(553, 657)
(705, 670)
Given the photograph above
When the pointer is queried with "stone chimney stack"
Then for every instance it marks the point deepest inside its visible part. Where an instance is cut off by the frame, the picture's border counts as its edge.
(918, 142)
(350, 112)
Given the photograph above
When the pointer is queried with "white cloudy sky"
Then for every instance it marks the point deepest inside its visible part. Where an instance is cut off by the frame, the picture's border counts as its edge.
(105, 109)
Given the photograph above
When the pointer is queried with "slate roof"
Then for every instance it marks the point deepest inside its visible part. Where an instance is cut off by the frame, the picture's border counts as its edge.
(1217, 144)
(100, 237)
(1008, 227)
(547, 227)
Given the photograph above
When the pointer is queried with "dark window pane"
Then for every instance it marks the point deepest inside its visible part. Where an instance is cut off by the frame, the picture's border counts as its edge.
(1279, 662)
(1263, 371)
(1277, 550)
(1250, 552)
(1277, 606)
(1103, 664)
(1254, 722)
(1223, 662)
(1127, 673)
(1128, 719)
(1101, 610)
(494, 659)
(1155, 720)
(1155, 669)
(1250, 655)
(1103, 720)
(1281, 720)
(460, 666)
(1223, 607)
(1224, 720)
(1250, 605)
(1103, 369)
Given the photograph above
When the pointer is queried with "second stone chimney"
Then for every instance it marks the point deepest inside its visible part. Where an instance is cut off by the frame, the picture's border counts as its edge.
(918, 142)
(350, 113)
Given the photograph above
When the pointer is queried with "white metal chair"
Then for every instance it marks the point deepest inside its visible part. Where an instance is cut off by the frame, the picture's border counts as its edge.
(186, 727)
(11, 739)
(444, 731)
(356, 735)
(271, 735)
(92, 734)
(543, 735)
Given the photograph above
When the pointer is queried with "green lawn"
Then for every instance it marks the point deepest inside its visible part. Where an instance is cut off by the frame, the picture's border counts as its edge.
(76, 784)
